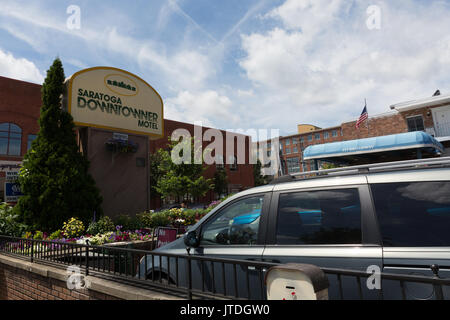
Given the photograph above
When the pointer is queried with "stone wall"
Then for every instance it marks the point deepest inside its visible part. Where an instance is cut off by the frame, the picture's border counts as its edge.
(23, 280)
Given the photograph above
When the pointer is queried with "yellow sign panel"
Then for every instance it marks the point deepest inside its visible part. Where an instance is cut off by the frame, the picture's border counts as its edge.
(115, 99)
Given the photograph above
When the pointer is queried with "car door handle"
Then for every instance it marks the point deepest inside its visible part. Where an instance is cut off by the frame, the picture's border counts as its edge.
(263, 260)
(252, 267)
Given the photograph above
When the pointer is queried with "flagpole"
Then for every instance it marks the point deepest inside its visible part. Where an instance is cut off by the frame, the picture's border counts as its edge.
(368, 120)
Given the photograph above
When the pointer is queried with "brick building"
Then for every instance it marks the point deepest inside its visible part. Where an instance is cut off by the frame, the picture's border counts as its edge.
(431, 115)
(20, 104)
(240, 176)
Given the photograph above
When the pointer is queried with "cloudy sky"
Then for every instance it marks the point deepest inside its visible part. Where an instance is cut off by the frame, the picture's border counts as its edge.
(246, 64)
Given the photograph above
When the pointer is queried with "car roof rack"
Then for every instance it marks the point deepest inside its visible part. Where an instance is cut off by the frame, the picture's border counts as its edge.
(367, 168)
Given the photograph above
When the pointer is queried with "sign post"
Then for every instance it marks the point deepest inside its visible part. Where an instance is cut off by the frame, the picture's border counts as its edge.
(12, 187)
(165, 236)
(114, 99)
(105, 102)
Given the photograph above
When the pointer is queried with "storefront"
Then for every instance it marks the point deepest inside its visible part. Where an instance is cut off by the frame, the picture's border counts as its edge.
(120, 122)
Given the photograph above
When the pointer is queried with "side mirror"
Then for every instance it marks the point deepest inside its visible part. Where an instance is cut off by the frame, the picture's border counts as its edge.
(191, 240)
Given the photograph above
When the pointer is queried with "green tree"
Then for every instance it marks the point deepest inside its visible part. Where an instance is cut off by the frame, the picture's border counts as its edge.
(180, 179)
(220, 181)
(54, 177)
(260, 180)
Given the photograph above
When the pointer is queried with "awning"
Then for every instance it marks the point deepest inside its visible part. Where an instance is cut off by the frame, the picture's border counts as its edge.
(403, 141)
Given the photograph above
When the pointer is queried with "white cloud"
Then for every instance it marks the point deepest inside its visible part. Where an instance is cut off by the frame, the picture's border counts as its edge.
(184, 68)
(308, 15)
(209, 107)
(322, 61)
(19, 68)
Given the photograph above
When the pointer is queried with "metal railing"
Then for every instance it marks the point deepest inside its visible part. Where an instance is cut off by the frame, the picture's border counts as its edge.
(375, 167)
(206, 277)
(190, 276)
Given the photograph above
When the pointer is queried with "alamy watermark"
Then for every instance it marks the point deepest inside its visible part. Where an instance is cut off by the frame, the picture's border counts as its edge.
(374, 280)
(76, 280)
(230, 147)
(73, 22)
(373, 21)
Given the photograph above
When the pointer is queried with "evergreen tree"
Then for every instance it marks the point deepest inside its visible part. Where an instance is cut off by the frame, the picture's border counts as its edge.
(260, 180)
(220, 181)
(54, 177)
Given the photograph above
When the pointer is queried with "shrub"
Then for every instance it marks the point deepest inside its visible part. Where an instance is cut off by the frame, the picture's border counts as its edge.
(128, 223)
(10, 224)
(105, 224)
(154, 219)
(100, 239)
(93, 228)
(58, 234)
(27, 235)
(73, 228)
(38, 235)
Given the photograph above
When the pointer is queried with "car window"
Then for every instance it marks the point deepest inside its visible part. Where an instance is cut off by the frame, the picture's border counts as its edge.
(413, 214)
(319, 217)
(235, 224)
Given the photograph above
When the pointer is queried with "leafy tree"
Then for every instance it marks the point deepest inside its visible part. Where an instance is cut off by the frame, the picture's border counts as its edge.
(180, 179)
(220, 181)
(156, 171)
(10, 224)
(327, 165)
(260, 180)
(54, 177)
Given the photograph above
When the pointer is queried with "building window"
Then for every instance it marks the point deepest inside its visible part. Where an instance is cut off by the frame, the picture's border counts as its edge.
(415, 124)
(302, 139)
(10, 139)
(317, 136)
(312, 165)
(31, 138)
(304, 167)
(294, 150)
(294, 141)
(288, 150)
(326, 135)
(293, 165)
(310, 137)
(287, 142)
(334, 133)
(219, 161)
(269, 153)
(233, 163)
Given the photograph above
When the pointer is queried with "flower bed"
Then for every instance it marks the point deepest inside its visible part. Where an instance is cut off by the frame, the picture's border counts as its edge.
(123, 229)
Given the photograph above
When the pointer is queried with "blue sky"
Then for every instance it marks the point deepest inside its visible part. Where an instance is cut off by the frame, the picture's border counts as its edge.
(250, 64)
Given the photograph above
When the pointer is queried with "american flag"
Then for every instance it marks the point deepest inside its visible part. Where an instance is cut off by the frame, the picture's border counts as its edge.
(363, 117)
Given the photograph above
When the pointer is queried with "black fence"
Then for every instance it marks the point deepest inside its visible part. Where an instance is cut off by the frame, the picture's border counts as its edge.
(205, 277)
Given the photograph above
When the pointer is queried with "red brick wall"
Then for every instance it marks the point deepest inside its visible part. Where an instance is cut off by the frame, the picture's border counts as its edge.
(378, 126)
(18, 284)
(307, 143)
(242, 177)
(20, 103)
